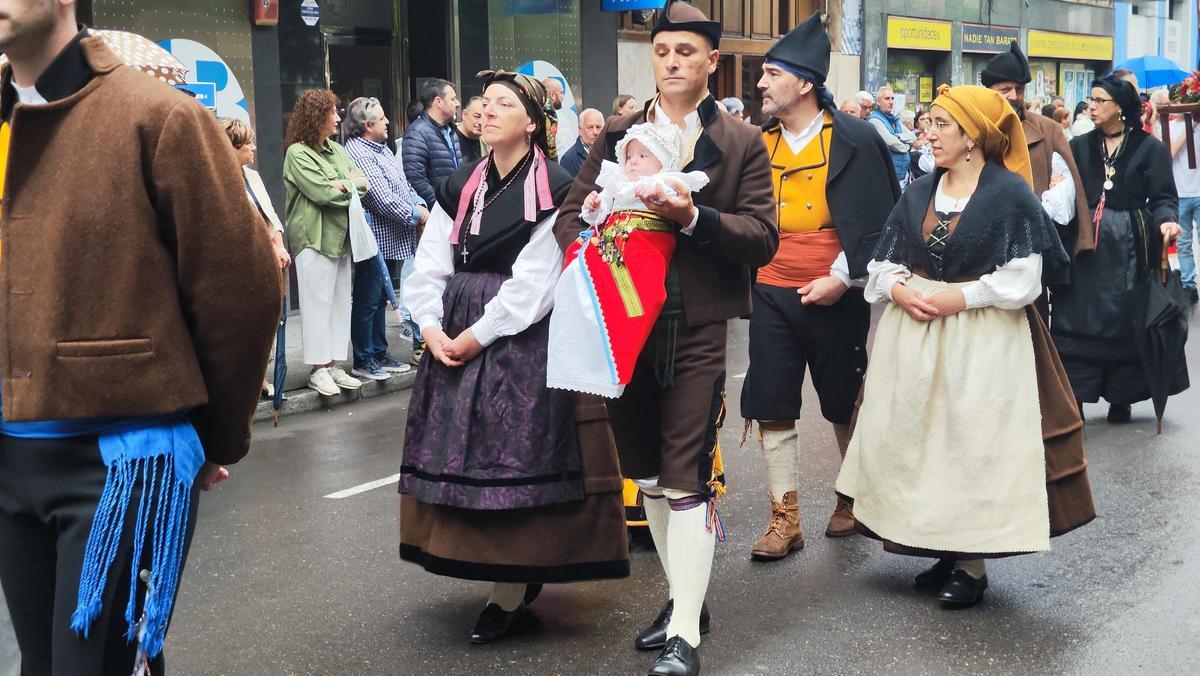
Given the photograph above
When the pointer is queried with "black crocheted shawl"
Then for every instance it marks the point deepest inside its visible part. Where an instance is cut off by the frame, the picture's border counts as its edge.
(1003, 221)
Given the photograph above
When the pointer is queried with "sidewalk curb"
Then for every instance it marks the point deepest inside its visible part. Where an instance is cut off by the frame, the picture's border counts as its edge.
(305, 400)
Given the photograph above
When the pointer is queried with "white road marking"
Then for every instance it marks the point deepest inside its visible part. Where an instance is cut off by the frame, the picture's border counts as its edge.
(363, 488)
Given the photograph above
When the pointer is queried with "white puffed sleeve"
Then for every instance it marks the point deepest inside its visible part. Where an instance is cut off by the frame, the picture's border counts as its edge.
(881, 276)
(528, 295)
(432, 267)
(1012, 286)
(1059, 201)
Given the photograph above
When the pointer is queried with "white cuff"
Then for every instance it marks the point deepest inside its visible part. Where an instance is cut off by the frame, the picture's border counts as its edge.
(691, 226)
(977, 295)
(427, 322)
(484, 333)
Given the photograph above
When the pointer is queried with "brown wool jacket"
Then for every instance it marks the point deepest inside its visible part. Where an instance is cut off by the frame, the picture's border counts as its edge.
(736, 230)
(1045, 137)
(134, 277)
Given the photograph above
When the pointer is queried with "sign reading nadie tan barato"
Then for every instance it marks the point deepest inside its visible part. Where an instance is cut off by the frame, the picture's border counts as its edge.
(926, 34)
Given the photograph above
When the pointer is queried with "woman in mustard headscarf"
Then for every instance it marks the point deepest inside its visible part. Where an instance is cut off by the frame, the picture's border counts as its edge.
(967, 443)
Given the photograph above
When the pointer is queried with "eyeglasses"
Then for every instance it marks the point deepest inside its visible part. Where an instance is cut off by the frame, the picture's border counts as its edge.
(935, 125)
(1097, 100)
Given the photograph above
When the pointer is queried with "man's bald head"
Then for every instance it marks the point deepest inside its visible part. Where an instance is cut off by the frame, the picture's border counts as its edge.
(554, 91)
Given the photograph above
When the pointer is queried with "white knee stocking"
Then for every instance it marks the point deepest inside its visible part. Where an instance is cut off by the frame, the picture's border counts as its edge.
(658, 515)
(781, 449)
(691, 544)
(507, 595)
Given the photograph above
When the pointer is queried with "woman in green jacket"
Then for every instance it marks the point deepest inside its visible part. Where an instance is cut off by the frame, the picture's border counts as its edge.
(319, 176)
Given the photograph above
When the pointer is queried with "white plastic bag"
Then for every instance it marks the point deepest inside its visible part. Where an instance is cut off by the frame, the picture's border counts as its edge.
(362, 241)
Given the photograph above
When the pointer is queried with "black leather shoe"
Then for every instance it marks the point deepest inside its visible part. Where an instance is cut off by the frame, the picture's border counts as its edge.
(962, 590)
(1119, 413)
(935, 576)
(495, 623)
(655, 636)
(532, 591)
(1192, 294)
(677, 658)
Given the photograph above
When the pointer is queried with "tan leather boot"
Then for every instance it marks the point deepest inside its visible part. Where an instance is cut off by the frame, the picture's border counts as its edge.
(842, 522)
(783, 534)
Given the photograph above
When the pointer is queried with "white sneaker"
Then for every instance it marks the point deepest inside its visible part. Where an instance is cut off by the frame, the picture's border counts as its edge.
(344, 380)
(321, 380)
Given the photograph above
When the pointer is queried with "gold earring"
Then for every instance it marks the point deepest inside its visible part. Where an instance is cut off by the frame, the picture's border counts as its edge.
(969, 149)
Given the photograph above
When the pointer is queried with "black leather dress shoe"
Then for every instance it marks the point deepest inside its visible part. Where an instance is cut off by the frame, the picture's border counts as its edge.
(655, 636)
(495, 623)
(677, 658)
(936, 576)
(962, 590)
(532, 591)
(1119, 413)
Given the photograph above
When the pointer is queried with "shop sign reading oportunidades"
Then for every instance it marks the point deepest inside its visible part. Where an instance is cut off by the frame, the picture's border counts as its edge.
(923, 34)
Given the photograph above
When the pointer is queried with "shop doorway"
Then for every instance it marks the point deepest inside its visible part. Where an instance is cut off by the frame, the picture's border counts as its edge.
(361, 64)
(427, 34)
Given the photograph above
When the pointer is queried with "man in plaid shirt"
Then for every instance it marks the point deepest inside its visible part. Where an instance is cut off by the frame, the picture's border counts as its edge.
(394, 212)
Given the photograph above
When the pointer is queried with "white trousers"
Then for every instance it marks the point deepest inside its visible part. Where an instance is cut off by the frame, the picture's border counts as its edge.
(324, 285)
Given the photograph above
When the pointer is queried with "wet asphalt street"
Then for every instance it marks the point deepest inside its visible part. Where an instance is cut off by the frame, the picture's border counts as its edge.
(282, 580)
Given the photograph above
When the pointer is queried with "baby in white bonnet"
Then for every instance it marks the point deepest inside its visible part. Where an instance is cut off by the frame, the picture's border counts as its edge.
(647, 156)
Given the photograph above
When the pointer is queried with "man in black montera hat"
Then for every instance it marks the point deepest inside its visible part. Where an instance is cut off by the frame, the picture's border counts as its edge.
(807, 312)
(1055, 176)
(667, 421)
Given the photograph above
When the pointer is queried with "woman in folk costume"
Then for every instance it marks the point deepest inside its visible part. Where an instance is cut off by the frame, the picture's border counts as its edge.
(1127, 178)
(968, 444)
(614, 283)
(502, 479)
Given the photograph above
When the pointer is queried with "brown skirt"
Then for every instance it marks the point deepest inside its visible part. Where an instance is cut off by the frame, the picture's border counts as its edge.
(567, 542)
(1068, 491)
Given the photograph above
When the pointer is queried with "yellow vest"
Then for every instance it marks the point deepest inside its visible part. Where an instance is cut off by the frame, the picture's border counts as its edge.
(799, 180)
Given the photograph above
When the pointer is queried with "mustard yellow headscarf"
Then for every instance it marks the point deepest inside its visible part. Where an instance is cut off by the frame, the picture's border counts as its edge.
(990, 121)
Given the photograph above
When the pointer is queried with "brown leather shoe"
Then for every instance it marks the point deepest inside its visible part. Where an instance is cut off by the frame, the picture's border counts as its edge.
(783, 534)
(842, 522)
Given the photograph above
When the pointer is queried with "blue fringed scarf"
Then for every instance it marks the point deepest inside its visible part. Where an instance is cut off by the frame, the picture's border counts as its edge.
(162, 461)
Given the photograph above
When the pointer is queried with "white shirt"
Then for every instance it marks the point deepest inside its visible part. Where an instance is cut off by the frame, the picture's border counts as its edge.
(523, 300)
(1059, 201)
(1012, 286)
(29, 95)
(692, 123)
(797, 141)
(1187, 180)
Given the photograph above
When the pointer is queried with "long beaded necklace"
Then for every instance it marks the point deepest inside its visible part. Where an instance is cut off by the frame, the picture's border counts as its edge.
(512, 179)
(1110, 160)
(1110, 171)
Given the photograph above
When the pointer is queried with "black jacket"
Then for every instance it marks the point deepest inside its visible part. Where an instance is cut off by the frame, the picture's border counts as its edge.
(428, 160)
(861, 188)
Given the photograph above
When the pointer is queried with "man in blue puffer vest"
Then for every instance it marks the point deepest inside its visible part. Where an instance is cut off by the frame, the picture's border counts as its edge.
(899, 140)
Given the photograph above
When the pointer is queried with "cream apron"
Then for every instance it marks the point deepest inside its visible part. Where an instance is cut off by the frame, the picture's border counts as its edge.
(947, 453)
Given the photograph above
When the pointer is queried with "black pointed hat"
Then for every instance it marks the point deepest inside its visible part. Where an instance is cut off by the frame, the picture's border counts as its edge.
(1010, 66)
(806, 47)
(683, 16)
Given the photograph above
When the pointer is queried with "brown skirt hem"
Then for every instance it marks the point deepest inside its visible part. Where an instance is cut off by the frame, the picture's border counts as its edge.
(570, 542)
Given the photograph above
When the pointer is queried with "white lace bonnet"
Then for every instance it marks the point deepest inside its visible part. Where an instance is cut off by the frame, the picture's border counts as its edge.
(665, 141)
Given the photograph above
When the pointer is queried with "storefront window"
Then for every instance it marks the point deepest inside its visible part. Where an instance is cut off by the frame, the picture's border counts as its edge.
(905, 72)
(1045, 81)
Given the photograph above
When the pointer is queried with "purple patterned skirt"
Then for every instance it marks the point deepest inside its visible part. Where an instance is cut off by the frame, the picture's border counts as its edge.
(489, 435)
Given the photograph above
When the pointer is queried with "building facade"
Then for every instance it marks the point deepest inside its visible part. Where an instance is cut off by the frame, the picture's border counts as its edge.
(914, 45)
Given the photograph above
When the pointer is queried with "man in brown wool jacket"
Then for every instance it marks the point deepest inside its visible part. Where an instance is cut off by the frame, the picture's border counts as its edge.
(138, 298)
(667, 421)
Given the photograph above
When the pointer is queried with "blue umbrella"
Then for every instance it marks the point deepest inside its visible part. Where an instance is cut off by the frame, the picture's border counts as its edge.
(1154, 71)
(280, 361)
